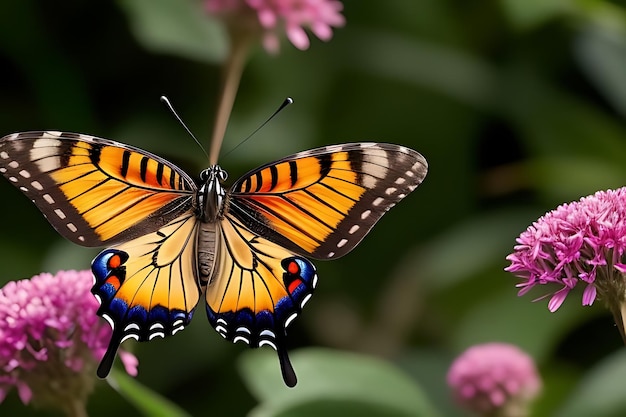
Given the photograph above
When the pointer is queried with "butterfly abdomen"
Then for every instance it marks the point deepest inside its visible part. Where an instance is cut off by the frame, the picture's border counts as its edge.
(206, 251)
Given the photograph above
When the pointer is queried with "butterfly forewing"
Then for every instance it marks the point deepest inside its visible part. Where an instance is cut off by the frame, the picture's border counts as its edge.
(322, 202)
(92, 190)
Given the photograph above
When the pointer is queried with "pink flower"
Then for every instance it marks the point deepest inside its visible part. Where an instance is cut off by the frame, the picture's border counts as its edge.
(51, 339)
(582, 242)
(494, 379)
(294, 16)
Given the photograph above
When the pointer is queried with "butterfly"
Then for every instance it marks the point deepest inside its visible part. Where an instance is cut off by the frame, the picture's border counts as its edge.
(172, 240)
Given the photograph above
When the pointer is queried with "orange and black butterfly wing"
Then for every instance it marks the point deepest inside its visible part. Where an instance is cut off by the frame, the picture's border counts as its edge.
(95, 191)
(258, 288)
(322, 202)
(98, 192)
(148, 287)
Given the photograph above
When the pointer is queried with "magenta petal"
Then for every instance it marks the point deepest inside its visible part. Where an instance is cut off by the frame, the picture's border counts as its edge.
(24, 392)
(130, 362)
(557, 299)
(620, 267)
(297, 36)
(589, 295)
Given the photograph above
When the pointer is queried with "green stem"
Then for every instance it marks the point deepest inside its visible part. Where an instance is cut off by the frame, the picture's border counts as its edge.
(232, 76)
(76, 408)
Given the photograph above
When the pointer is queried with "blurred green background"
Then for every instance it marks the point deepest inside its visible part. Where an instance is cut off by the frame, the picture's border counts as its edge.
(518, 106)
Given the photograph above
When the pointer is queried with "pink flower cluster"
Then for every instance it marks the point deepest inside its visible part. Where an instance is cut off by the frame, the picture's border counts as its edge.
(49, 329)
(582, 242)
(488, 378)
(319, 16)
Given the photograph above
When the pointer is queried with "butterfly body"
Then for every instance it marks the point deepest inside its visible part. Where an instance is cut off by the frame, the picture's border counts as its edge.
(173, 241)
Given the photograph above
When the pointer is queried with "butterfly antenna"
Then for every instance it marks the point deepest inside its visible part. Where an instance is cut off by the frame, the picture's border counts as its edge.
(171, 109)
(284, 104)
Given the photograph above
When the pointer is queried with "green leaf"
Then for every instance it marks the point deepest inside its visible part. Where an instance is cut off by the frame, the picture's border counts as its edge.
(601, 52)
(332, 382)
(564, 178)
(176, 27)
(526, 14)
(507, 318)
(453, 73)
(601, 391)
(148, 402)
(475, 245)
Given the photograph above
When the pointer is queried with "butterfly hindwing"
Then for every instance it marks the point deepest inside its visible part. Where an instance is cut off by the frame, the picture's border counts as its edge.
(95, 191)
(148, 287)
(258, 289)
(322, 202)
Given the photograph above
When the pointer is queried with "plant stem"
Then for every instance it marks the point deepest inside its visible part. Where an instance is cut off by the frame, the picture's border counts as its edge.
(76, 408)
(231, 78)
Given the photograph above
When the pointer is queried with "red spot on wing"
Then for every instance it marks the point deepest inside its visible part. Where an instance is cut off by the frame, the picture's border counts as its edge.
(293, 268)
(114, 281)
(294, 284)
(115, 262)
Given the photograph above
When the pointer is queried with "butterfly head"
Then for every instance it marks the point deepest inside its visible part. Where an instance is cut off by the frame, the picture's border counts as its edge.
(210, 200)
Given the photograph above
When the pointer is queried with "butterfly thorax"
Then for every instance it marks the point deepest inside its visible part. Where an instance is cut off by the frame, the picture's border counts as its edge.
(210, 197)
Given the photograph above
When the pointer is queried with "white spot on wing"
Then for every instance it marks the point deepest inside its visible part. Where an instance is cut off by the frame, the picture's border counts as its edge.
(25, 173)
(37, 185)
(290, 319)
(131, 326)
(48, 198)
(13, 164)
(331, 254)
(268, 333)
(59, 213)
(305, 300)
(44, 152)
(378, 201)
(156, 334)
(366, 214)
(400, 181)
(243, 330)
(390, 190)
(342, 243)
(129, 336)
(12, 179)
(156, 326)
(4, 155)
(353, 229)
(241, 338)
(268, 343)
(72, 227)
(108, 318)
